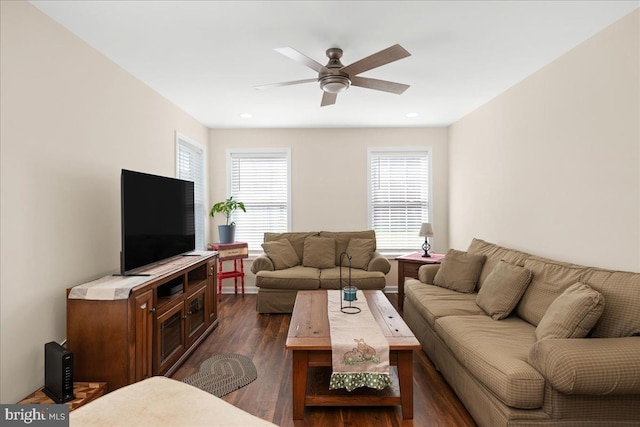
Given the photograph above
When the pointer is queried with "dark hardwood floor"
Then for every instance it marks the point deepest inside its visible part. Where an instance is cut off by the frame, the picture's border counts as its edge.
(262, 337)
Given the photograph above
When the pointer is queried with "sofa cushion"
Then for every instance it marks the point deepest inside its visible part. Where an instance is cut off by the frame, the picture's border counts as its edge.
(459, 271)
(496, 354)
(360, 251)
(503, 289)
(361, 279)
(494, 254)
(298, 277)
(159, 401)
(281, 253)
(550, 279)
(319, 252)
(433, 302)
(343, 238)
(621, 291)
(296, 238)
(572, 314)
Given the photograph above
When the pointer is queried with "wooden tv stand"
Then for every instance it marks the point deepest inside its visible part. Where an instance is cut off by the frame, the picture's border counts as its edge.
(151, 332)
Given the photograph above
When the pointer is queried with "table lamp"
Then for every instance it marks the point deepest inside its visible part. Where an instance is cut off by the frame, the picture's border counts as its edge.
(426, 230)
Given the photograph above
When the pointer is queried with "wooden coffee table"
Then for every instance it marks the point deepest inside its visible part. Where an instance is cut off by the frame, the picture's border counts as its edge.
(310, 342)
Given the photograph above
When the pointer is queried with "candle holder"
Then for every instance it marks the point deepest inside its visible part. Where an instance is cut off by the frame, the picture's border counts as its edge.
(349, 292)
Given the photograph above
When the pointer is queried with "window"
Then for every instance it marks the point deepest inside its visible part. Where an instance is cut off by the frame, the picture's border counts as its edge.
(261, 180)
(190, 167)
(399, 195)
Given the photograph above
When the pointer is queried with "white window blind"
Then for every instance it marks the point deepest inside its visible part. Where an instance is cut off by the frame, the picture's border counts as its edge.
(399, 190)
(261, 181)
(190, 167)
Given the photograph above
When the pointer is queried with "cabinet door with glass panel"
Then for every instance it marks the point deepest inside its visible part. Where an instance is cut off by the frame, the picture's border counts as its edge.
(196, 315)
(170, 337)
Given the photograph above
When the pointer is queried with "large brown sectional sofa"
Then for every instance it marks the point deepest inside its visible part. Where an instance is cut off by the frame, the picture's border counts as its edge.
(311, 260)
(546, 343)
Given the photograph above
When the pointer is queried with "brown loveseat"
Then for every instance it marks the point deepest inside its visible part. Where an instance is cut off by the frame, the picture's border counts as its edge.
(529, 341)
(311, 260)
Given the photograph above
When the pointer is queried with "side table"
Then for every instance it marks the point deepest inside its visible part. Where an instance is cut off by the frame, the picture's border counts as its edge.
(408, 266)
(85, 392)
(235, 252)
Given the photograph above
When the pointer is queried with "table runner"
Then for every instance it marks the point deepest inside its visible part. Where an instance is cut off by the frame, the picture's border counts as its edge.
(359, 350)
(119, 287)
(108, 288)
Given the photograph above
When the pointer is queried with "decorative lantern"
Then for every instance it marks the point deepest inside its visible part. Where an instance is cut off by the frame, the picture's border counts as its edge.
(349, 292)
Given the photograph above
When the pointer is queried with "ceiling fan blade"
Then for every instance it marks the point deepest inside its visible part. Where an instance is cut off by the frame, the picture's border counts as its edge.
(293, 82)
(383, 85)
(303, 59)
(328, 99)
(383, 57)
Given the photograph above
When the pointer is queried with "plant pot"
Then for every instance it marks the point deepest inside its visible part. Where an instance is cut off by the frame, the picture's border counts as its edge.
(227, 233)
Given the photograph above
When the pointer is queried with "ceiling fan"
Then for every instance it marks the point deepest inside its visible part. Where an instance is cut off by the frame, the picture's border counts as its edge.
(335, 77)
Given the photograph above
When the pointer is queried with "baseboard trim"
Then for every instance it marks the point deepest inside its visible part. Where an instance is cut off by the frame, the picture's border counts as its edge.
(229, 290)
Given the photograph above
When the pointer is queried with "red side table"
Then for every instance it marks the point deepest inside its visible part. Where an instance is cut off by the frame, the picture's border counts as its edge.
(235, 252)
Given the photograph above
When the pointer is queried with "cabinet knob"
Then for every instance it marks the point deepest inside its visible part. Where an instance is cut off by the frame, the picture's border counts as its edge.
(152, 310)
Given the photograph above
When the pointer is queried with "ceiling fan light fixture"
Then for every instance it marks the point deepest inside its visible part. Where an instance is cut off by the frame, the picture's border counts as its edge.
(334, 84)
(334, 77)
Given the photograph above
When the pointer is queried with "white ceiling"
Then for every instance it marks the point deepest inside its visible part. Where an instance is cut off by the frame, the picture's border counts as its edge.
(207, 56)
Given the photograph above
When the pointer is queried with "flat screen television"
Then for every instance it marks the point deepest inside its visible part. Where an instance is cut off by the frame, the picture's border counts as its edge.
(157, 219)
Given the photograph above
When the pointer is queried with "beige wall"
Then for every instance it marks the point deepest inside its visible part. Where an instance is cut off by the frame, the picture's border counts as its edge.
(552, 166)
(329, 173)
(70, 121)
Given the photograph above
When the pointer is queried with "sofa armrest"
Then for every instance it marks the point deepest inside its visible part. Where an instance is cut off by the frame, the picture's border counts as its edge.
(427, 272)
(591, 366)
(379, 263)
(262, 262)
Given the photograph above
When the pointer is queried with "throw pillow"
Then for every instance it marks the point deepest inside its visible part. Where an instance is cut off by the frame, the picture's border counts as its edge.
(572, 314)
(360, 251)
(502, 289)
(459, 271)
(281, 253)
(319, 252)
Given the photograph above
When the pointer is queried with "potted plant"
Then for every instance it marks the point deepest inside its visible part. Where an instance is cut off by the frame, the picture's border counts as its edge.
(227, 208)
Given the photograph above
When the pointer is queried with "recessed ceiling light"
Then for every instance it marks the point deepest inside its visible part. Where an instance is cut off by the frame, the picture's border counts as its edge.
(246, 115)
(412, 115)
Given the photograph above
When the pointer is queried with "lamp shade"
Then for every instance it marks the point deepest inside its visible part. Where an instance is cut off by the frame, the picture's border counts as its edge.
(426, 230)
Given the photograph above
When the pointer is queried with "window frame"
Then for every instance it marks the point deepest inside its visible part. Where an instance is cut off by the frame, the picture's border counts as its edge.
(261, 152)
(195, 146)
(428, 151)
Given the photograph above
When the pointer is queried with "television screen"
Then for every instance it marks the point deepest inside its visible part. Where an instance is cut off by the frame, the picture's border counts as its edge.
(157, 219)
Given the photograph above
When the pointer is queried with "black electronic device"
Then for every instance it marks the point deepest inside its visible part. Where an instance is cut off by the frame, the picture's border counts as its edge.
(158, 220)
(58, 372)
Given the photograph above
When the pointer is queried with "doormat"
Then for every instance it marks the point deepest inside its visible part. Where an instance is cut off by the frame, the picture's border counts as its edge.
(223, 373)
